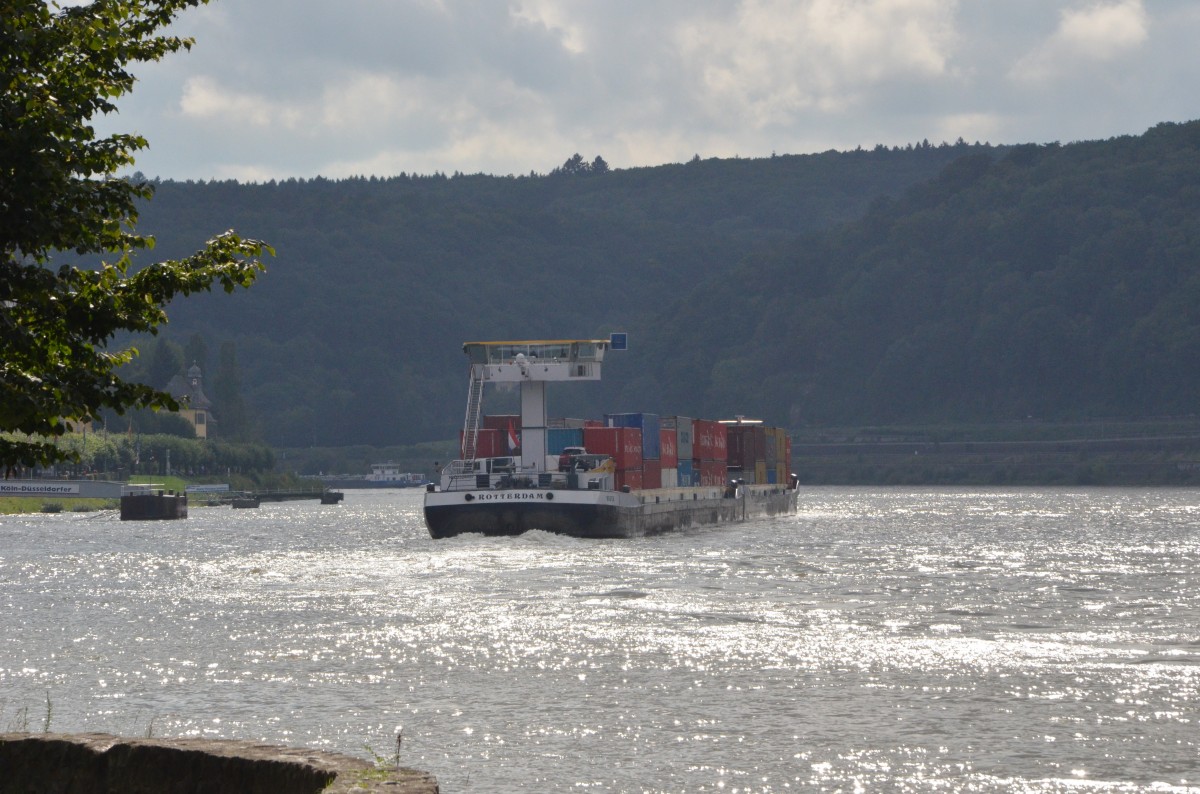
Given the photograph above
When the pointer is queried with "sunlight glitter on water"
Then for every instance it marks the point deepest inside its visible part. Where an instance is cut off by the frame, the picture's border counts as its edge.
(931, 640)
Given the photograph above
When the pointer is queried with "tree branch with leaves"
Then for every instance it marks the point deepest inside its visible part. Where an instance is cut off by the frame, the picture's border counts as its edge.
(60, 198)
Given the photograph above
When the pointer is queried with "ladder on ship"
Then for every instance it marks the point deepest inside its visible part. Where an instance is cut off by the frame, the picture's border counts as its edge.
(474, 414)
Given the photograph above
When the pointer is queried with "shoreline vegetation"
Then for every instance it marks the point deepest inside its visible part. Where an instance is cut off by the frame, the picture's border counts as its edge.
(1142, 453)
(1119, 453)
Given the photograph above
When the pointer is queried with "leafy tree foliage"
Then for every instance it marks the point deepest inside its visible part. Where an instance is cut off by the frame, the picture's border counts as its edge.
(61, 67)
(577, 166)
(148, 452)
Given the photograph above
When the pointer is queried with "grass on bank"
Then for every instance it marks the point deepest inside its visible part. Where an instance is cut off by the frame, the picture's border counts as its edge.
(160, 482)
(14, 505)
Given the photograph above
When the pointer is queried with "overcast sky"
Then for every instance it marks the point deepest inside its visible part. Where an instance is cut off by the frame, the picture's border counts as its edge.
(283, 88)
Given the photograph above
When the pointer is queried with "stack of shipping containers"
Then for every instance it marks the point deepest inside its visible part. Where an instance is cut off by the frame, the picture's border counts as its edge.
(649, 425)
(770, 455)
(658, 452)
(668, 442)
(746, 451)
(624, 446)
(709, 453)
(758, 454)
(560, 434)
(741, 449)
(683, 427)
(778, 463)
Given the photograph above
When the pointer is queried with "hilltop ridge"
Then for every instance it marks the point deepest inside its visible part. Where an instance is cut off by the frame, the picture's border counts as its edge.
(930, 284)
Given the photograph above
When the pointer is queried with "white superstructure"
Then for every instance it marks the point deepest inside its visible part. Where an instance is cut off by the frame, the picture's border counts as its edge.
(532, 364)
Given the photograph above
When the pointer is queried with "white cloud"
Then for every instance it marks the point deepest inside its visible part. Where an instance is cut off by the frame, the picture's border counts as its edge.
(1085, 36)
(552, 16)
(1103, 32)
(773, 59)
(364, 86)
(366, 100)
(204, 99)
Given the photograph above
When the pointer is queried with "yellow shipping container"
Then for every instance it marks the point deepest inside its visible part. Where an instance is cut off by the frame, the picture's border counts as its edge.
(760, 472)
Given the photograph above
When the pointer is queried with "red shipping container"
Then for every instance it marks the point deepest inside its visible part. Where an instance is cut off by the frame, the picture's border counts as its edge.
(712, 472)
(652, 474)
(622, 444)
(593, 423)
(708, 441)
(630, 477)
(502, 421)
(487, 444)
(509, 428)
(720, 442)
(739, 446)
(668, 444)
(702, 440)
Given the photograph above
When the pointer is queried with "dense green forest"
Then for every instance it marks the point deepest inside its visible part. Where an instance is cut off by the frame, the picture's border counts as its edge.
(925, 284)
(1055, 283)
(354, 334)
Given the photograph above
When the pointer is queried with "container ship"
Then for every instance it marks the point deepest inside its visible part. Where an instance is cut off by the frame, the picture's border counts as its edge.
(625, 475)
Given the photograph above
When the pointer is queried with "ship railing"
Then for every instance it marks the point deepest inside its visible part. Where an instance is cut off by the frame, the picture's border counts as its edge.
(459, 467)
(462, 476)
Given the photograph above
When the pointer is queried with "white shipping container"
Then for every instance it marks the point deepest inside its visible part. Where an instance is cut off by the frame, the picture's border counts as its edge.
(684, 437)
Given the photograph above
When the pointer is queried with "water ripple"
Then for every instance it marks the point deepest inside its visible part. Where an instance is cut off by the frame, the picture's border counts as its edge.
(906, 640)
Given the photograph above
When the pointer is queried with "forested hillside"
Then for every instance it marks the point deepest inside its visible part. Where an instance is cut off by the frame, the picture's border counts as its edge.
(948, 283)
(354, 335)
(1056, 282)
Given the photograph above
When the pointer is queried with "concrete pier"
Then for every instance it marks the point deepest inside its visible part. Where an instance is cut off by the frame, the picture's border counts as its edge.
(157, 506)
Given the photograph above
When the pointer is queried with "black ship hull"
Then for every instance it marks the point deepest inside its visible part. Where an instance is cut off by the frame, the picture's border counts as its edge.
(598, 514)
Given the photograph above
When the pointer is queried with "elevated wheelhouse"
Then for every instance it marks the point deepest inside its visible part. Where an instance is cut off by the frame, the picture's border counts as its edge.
(532, 364)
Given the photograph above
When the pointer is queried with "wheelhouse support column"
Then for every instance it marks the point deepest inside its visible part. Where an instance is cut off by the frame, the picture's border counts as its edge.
(533, 424)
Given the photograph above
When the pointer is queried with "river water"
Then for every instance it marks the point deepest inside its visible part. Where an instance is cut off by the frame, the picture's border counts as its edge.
(881, 639)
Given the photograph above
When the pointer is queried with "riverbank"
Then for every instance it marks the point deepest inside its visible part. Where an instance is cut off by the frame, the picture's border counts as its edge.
(95, 762)
(895, 460)
(13, 505)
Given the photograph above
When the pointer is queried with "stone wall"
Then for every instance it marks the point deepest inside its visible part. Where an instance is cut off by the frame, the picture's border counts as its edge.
(94, 763)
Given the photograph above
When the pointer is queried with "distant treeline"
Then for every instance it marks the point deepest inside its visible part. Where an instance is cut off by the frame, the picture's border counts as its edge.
(930, 283)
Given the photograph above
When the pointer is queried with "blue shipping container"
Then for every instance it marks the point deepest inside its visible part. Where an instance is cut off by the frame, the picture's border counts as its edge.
(559, 438)
(648, 424)
(686, 476)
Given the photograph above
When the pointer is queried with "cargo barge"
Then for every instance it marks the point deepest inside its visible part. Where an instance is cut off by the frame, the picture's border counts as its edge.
(628, 475)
